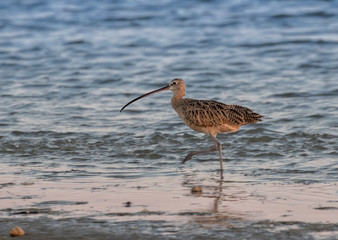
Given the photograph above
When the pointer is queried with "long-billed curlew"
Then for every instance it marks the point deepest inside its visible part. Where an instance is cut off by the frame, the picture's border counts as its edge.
(206, 116)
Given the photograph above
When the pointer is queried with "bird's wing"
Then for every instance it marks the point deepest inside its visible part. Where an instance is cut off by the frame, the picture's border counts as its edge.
(205, 113)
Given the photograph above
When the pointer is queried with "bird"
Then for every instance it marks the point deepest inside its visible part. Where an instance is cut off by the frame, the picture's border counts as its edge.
(206, 116)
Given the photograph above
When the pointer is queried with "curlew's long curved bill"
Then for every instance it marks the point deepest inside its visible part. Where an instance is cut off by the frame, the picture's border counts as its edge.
(147, 94)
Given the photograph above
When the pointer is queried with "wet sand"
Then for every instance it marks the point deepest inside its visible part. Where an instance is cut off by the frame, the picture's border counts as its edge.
(103, 209)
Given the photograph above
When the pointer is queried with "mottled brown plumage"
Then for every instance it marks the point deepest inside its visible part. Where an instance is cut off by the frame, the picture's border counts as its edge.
(207, 116)
(211, 114)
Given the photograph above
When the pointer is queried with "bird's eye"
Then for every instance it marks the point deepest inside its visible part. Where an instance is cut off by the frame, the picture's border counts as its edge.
(174, 83)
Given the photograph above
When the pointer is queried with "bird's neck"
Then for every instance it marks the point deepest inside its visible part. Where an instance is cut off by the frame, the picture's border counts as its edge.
(177, 96)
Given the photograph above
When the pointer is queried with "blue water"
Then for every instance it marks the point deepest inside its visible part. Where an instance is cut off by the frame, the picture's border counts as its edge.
(67, 68)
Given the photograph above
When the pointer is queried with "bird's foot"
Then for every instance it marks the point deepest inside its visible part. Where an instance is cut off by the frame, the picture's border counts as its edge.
(187, 158)
(221, 175)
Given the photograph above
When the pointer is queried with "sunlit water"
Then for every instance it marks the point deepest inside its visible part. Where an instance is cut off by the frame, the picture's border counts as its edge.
(73, 165)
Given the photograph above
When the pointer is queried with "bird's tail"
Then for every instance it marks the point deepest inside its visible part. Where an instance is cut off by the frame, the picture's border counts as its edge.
(252, 117)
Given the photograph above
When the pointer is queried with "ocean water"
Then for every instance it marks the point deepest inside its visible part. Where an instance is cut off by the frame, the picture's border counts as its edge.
(73, 166)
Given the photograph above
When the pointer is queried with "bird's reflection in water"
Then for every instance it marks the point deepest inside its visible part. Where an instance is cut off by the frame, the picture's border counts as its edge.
(213, 188)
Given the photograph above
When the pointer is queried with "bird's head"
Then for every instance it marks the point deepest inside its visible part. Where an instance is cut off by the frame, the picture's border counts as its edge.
(176, 85)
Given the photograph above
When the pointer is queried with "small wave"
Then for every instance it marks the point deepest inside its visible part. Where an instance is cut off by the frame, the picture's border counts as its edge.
(333, 92)
(75, 42)
(61, 202)
(287, 42)
(318, 14)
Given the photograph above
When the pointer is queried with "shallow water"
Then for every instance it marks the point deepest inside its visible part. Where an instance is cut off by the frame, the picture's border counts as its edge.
(70, 160)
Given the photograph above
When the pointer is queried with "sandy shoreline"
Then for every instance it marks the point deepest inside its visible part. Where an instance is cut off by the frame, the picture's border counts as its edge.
(97, 206)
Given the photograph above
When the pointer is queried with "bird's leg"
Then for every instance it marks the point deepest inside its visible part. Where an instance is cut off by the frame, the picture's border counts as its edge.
(189, 156)
(218, 146)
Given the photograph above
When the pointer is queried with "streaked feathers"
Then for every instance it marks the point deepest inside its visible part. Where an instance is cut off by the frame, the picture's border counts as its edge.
(208, 113)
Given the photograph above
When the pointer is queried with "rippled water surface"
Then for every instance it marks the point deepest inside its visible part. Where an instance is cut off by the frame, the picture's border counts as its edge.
(72, 165)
